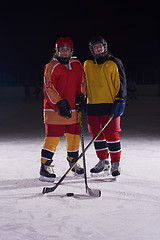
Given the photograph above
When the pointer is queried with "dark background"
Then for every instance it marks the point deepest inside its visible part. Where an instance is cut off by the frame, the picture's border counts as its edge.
(29, 31)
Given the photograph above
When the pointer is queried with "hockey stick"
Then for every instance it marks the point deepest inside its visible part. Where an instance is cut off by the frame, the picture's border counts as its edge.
(51, 189)
(91, 192)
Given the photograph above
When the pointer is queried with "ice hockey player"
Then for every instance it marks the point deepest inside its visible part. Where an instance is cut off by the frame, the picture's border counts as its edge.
(106, 96)
(63, 78)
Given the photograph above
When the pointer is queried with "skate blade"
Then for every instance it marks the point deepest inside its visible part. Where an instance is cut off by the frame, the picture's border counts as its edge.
(101, 174)
(76, 175)
(46, 179)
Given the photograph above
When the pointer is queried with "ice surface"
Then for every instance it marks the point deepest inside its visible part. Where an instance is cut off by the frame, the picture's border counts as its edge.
(129, 209)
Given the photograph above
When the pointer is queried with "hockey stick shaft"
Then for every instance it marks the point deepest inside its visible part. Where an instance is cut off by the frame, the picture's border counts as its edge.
(82, 143)
(51, 189)
(91, 192)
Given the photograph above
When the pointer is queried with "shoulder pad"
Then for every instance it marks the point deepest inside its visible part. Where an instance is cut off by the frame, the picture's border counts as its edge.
(74, 59)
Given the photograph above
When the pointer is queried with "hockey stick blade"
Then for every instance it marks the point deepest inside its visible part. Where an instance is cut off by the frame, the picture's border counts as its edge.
(47, 189)
(93, 192)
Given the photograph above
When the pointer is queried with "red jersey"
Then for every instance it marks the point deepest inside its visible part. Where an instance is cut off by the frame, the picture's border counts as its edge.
(60, 83)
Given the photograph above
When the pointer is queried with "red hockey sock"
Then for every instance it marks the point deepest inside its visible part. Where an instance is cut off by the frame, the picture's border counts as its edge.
(101, 147)
(113, 141)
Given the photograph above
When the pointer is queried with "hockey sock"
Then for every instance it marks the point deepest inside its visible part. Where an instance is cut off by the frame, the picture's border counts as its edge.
(114, 145)
(101, 147)
(72, 141)
(49, 149)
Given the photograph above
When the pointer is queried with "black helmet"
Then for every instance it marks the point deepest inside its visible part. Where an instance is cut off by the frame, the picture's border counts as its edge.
(96, 40)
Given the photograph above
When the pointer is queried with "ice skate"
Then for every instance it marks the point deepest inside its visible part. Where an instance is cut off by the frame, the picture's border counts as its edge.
(47, 173)
(101, 166)
(115, 169)
(77, 169)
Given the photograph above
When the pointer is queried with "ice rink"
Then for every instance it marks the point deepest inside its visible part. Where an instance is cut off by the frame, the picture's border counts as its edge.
(129, 209)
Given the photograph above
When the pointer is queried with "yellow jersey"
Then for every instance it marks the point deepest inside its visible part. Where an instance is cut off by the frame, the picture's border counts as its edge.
(105, 83)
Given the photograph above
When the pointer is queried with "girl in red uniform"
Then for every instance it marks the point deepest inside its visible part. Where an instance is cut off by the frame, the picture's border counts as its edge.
(63, 77)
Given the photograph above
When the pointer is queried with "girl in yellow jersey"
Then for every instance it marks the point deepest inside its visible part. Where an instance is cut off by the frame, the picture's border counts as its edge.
(105, 88)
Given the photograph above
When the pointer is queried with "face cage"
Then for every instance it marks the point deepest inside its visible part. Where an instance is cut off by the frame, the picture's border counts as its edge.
(57, 51)
(100, 54)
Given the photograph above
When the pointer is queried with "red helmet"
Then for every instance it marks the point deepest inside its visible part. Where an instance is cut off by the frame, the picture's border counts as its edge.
(64, 41)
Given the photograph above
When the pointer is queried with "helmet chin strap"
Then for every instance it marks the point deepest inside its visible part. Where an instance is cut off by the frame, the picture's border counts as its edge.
(101, 58)
(63, 60)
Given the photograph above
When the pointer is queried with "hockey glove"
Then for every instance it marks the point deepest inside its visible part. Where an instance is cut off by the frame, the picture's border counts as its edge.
(118, 108)
(64, 108)
(80, 103)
